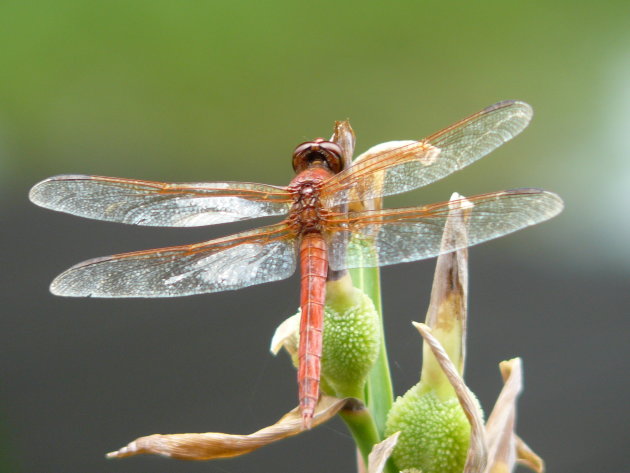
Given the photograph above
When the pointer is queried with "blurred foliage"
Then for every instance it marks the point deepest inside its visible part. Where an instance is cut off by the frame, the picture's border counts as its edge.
(208, 90)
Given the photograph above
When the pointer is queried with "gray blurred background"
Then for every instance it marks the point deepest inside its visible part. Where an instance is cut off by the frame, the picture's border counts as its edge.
(206, 90)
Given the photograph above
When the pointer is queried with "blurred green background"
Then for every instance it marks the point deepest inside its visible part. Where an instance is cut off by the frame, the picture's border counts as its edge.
(205, 90)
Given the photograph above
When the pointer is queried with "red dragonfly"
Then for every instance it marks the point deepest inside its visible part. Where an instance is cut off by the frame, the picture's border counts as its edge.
(320, 231)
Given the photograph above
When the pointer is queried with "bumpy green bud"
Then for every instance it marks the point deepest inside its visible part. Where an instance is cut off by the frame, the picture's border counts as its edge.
(351, 338)
(435, 432)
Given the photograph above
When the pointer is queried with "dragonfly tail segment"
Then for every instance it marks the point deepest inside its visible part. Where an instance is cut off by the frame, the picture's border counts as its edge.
(314, 267)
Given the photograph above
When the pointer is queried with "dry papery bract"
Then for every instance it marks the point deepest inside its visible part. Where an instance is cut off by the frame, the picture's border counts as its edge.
(212, 445)
(495, 448)
(380, 453)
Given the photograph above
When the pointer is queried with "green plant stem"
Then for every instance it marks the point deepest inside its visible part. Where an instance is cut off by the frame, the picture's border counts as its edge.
(378, 390)
(363, 429)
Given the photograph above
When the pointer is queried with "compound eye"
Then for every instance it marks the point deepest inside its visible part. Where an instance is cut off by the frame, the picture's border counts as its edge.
(318, 149)
(332, 153)
(300, 156)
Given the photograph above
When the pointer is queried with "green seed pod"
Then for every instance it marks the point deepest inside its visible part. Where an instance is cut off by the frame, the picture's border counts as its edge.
(435, 432)
(351, 338)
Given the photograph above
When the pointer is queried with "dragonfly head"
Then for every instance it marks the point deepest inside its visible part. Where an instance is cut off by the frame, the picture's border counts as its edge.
(317, 151)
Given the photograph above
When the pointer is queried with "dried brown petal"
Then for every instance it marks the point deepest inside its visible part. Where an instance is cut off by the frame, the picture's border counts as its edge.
(526, 456)
(501, 422)
(211, 445)
(381, 452)
(448, 307)
(287, 336)
(505, 448)
(477, 452)
(344, 136)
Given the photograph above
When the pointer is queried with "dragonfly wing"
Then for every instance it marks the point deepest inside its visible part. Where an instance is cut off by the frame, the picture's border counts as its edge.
(395, 167)
(379, 238)
(157, 203)
(262, 255)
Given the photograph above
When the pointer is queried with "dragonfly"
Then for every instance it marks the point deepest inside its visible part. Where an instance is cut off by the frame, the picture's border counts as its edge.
(327, 221)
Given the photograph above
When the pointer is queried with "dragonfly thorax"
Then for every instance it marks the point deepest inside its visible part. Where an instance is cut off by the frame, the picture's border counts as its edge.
(307, 211)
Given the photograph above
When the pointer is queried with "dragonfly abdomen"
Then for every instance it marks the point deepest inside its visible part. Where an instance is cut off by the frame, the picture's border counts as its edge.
(314, 268)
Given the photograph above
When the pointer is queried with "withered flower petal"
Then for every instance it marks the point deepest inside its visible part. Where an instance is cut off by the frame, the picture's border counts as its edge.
(477, 450)
(526, 457)
(287, 336)
(381, 452)
(505, 449)
(212, 445)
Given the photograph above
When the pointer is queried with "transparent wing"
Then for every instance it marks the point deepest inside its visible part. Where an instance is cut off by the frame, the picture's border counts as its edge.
(396, 167)
(248, 258)
(157, 203)
(383, 237)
